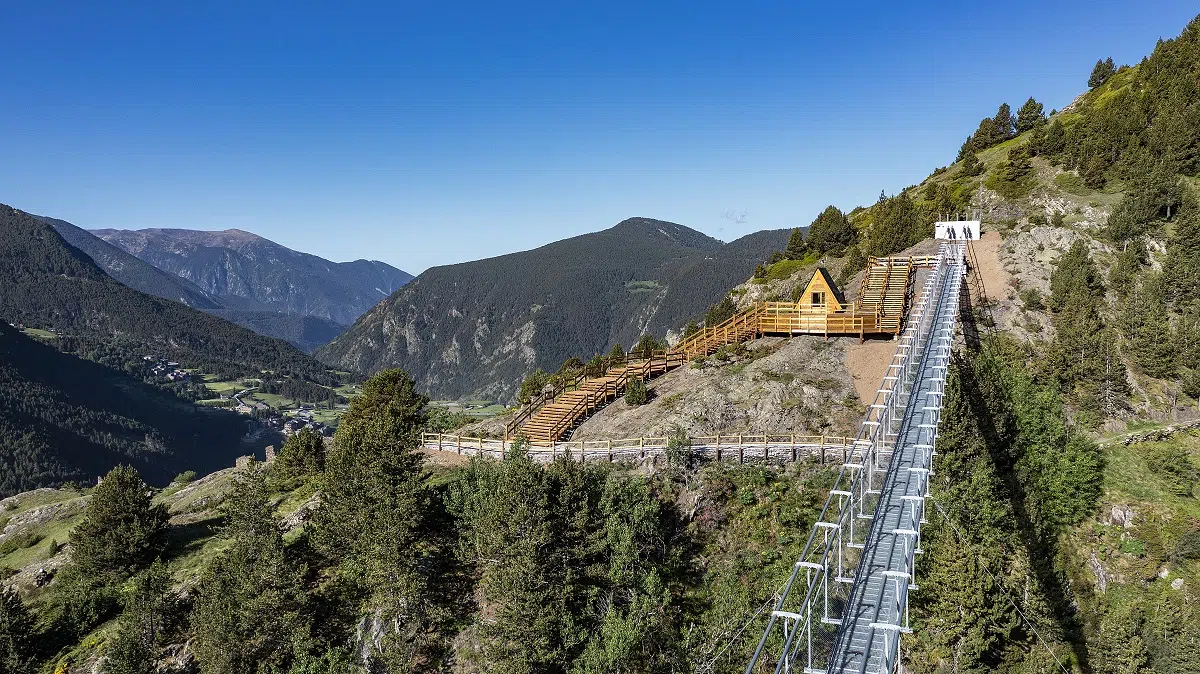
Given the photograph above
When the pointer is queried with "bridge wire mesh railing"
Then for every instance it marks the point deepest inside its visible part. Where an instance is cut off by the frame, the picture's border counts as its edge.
(890, 617)
(804, 622)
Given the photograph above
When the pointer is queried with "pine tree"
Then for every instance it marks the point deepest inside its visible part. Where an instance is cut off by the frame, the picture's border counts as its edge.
(831, 232)
(1147, 330)
(302, 454)
(251, 612)
(1119, 647)
(636, 392)
(1124, 274)
(122, 530)
(16, 633)
(1181, 269)
(796, 248)
(966, 149)
(972, 166)
(151, 616)
(508, 535)
(1075, 271)
(1004, 123)
(375, 519)
(898, 225)
(1030, 115)
(1103, 70)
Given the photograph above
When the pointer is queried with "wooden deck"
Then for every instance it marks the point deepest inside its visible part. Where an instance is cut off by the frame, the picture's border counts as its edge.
(882, 303)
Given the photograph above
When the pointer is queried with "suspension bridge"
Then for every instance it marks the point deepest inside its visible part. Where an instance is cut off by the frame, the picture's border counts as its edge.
(845, 605)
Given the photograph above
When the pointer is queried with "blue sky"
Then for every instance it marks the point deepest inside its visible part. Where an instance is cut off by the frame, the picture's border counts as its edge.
(431, 133)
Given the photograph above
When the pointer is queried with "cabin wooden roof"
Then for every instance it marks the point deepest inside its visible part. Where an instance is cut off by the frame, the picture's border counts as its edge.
(823, 273)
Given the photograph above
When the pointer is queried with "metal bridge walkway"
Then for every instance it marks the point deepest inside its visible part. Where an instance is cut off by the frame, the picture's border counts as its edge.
(877, 611)
(846, 603)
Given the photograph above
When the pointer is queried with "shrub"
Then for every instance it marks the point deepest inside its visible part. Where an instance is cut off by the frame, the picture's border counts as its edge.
(1032, 299)
(1172, 464)
(532, 385)
(636, 392)
(185, 477)
(1188, 546)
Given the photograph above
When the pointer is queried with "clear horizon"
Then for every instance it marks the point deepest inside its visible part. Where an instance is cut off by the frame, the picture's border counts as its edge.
(423, 136)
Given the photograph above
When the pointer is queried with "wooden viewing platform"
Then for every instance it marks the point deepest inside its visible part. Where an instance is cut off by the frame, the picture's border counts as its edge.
(883, 299)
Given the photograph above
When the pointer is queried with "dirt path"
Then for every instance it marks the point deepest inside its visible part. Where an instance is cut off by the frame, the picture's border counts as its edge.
(867, 363)
(991, 270)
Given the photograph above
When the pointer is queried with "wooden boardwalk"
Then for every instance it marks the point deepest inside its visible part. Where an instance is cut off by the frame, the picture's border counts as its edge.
(882, 302)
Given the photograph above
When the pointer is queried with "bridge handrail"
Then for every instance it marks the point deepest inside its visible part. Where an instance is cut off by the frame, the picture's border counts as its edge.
(869, 436)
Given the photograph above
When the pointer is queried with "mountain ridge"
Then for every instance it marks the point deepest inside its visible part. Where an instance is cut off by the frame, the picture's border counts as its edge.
(474, 328)
(248, 272)
(49, 283)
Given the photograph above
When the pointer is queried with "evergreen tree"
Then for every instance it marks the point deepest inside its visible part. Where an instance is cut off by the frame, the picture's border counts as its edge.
(720, 312)
(1055, 140)
(966, 149)
(1181, 268)
(796, 248)
(532, 385)
(16, 633)
(1124, 274)
(375, 518)
(899, 223)
(151, 617)
(647, 344)
(1154, 196)
(302, 454)
(1119, 647)
(1030, 116)
(636, 392)
(636, 627)
(251, 611)
(972, 166)
(831, 232)
(1075, 272)
(508, 535)
(122, 530)
(1147, 331)
(986, 134)
(1103, 70)
(1187, 338)
(1004, 123)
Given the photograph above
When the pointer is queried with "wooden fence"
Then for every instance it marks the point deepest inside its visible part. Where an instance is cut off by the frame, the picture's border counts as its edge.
(782, 448)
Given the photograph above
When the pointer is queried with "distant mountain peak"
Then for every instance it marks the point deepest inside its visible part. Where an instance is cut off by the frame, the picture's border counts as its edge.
(247, 272)
(666, 230)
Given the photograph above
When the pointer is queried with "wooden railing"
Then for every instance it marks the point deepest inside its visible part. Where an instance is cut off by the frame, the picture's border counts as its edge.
(780, 447)
(563, 382)
(595, 399)
(741, 323)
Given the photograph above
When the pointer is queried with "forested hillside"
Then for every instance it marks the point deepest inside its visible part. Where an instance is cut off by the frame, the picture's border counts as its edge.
(63, 418)
(129, 270)
(300, 330)
(477, 327)
(49, 284)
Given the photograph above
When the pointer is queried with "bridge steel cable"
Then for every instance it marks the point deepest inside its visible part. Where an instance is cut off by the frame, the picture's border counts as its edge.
(845, 604)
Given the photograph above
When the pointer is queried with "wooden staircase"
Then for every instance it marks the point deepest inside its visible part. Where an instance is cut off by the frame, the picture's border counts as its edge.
(885, 289)
(551, 421)
(882, 300)
(746, 324)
